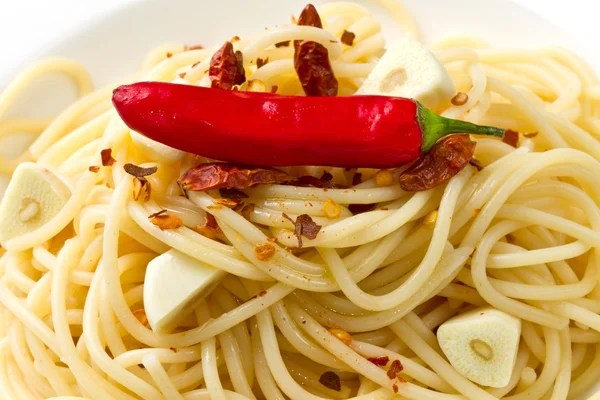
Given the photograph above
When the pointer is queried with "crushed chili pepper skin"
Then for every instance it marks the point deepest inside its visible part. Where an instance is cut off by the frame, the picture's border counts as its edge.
(209, 176)
(446, 159)
(269, 129)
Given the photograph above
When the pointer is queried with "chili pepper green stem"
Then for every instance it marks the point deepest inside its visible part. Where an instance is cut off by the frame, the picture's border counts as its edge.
(434, 127)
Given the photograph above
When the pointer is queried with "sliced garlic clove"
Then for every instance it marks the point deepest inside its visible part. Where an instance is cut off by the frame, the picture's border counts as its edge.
(174, 285)
(156, 151)
(33, 197)
(482, 345)
(409, 69)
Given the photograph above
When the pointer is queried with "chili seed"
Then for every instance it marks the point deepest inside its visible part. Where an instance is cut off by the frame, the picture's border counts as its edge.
(384, 177)
(264, 252)
(167, 221)
(430, 218)
(140, 314)
(331, 209)
(460, 99)
(342, 335)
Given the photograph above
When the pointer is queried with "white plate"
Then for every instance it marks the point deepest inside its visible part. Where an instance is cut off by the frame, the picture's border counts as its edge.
(113, 46)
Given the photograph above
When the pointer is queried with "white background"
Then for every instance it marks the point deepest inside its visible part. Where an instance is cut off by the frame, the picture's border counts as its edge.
(27, 25)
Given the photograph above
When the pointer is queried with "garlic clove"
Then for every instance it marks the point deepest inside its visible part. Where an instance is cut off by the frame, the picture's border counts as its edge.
(408, 69)
(174, 285)
(482, 345)
(34, 196)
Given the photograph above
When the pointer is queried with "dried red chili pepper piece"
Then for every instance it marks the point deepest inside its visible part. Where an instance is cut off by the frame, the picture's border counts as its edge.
(304, 226)
(226, 176)
(312, 65)
(445, 159)
(379, 361)
(511, 138)
(311, 60)
(210, 176)
(226, 68)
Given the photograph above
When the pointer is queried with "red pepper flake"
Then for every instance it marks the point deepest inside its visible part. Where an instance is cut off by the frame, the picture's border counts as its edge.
(169, 54)
(395, 368)
(194, 47)
(304, 226)
(285, 43)
(260, 62)
(210, 176)
(530, 135)
(107, 159)
(234, 39)
(331, 381)
(511, 138)
(445, 159)
(173, 349)
(137, 171)
(476, 163)
(182, 75)
(274, 88)
(232, 194)
(94, 168)
(379, 361)
(348, 38)
(261, 294)
(226, 68)
(395, 388)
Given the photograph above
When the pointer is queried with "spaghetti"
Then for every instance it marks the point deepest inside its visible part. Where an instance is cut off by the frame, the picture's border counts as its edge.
(520, 235)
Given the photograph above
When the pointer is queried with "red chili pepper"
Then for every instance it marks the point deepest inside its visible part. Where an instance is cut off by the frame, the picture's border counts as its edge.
(269, 129)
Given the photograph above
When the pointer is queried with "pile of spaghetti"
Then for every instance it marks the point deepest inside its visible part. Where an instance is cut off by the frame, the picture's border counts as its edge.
(519, 234)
